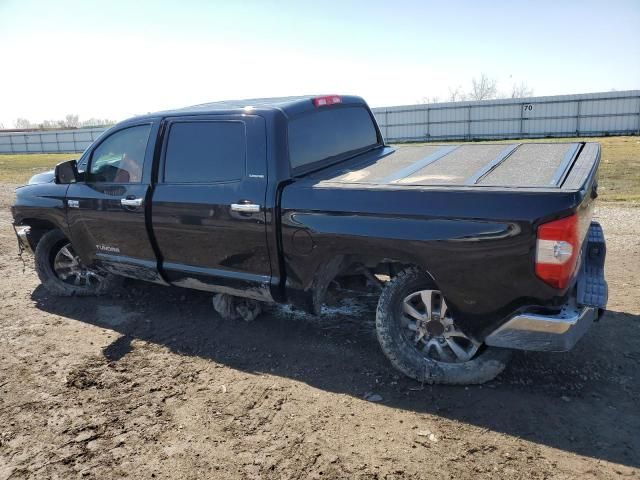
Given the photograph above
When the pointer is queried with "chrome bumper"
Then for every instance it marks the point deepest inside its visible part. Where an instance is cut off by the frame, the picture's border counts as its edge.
(22, 233)
(560, 332)
(551, 333)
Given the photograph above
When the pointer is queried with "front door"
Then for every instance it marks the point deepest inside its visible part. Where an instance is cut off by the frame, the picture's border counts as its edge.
(106, 212)
(208, 211)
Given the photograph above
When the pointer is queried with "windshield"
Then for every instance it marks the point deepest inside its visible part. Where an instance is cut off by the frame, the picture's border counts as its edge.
(331, 132)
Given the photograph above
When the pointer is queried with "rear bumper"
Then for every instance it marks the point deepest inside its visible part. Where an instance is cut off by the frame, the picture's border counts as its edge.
(559, 332)
(550, 333)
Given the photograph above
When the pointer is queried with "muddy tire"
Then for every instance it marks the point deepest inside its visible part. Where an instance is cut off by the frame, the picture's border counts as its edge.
(485, 364)
(89, 281)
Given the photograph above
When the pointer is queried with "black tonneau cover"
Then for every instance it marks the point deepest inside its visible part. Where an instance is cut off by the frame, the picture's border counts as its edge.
(528, 165)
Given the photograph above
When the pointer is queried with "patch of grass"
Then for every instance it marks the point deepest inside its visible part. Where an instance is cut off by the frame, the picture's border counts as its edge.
(620, 169)
(19, 168)
(619, 179)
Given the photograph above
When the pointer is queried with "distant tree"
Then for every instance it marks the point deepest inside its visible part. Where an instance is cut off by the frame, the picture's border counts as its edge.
(426, 100)
(71, 121)
(23, 123)
(456, 94)
(51, 124)
(483, 88)
(97, 122)
(1, 126)
(521, 91)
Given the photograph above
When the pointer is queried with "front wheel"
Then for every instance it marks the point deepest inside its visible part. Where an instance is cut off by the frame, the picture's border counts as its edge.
(419, 335)
(62, 272)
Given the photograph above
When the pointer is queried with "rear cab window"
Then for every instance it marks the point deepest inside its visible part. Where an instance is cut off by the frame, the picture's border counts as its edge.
(205, 152)
(330, 134)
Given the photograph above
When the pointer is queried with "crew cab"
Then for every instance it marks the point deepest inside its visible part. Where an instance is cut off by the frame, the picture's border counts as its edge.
(477, 249)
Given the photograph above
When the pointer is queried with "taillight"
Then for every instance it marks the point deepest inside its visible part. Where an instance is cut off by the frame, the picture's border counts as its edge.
(557, 251)
(327, 100)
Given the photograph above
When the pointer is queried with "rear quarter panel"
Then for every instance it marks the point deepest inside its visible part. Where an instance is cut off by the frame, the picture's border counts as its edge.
(477, 244)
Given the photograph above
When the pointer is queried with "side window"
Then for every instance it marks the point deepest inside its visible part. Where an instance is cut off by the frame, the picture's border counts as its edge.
(205, 152)
(82, 163)
(119, 158)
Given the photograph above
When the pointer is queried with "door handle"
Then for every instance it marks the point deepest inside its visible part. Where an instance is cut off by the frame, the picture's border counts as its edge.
(245, 207)
(131, 202)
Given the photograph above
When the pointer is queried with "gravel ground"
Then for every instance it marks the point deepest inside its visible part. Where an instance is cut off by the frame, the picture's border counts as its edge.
(150, 383)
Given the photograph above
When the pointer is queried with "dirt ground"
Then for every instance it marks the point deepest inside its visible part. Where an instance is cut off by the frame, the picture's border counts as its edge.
(151, 383)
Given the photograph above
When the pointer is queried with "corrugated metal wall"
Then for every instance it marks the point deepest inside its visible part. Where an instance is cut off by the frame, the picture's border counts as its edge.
(50, 141)
(591, 114)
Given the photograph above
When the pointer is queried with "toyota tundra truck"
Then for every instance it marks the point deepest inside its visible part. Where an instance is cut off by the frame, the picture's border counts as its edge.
(477, 249)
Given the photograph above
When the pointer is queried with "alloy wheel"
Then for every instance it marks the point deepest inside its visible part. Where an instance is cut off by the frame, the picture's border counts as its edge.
(69, 268)
(429, 326)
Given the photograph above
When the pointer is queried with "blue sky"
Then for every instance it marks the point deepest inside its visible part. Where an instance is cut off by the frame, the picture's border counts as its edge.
(120, 58)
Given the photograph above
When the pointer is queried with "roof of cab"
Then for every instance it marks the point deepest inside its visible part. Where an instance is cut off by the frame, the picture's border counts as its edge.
(287, 105)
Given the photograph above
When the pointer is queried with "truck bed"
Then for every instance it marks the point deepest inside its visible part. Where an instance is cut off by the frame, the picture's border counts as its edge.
(505, 165)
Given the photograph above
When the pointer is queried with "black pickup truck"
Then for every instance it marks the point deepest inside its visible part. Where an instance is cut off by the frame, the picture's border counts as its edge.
(477, 249)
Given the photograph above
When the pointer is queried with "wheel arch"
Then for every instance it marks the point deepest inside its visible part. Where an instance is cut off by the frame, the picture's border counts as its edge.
(357, 264)
(38, 227)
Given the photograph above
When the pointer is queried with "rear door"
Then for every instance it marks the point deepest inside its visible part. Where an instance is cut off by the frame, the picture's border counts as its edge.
(106, 212)
(208, 211)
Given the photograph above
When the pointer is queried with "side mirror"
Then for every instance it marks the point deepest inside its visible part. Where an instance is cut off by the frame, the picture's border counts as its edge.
(67, 172)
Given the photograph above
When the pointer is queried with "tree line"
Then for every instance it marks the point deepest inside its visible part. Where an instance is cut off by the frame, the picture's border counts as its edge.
(69, 121)
(482, 88)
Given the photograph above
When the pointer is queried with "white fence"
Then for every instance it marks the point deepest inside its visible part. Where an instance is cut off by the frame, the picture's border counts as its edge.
(591, 114)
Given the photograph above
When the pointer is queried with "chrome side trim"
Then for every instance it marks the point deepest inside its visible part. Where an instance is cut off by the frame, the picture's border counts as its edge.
(550, 333)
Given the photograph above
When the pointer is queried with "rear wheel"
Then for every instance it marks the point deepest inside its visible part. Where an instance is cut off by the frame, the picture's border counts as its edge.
(419, 335)
(62, 272)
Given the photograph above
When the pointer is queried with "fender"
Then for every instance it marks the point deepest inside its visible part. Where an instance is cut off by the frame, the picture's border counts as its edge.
(41, 206)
